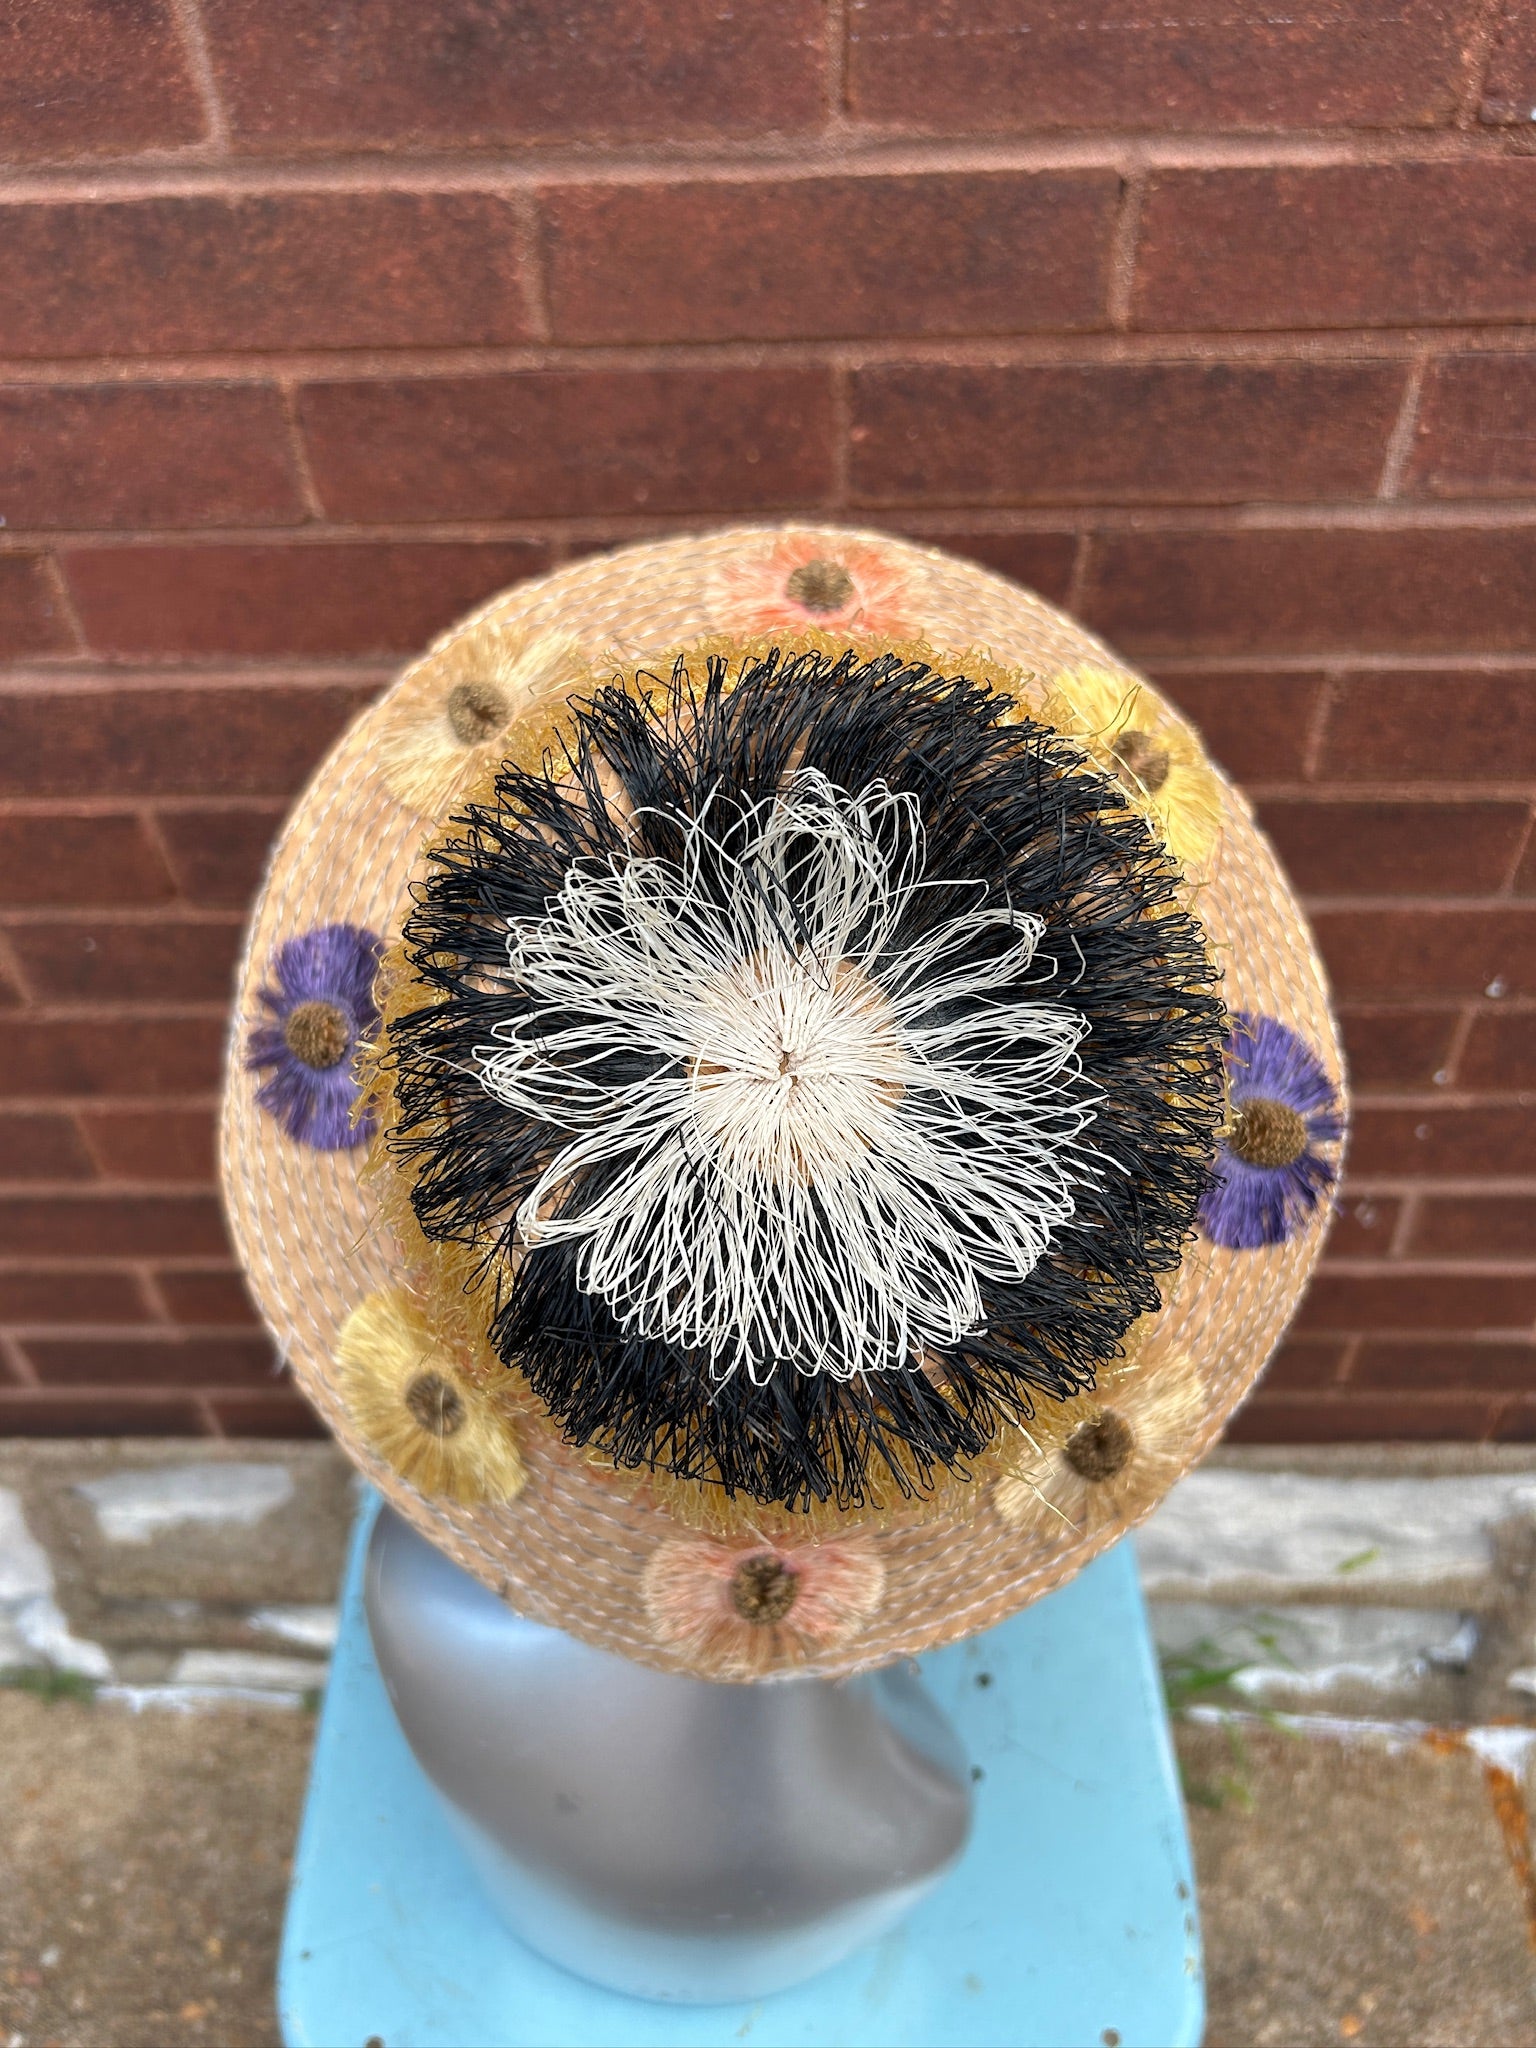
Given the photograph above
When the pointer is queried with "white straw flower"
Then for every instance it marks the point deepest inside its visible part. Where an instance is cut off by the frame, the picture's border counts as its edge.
(850, 1135)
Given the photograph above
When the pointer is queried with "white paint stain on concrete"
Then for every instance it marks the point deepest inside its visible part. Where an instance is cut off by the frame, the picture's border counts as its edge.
(136, 1507)
(1313, 1649)
(312, 1628)
(33, 1627)
(1229, 1534)
(251, 1670)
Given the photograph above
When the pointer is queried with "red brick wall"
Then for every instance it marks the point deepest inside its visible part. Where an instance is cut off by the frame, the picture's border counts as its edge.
(320, 319)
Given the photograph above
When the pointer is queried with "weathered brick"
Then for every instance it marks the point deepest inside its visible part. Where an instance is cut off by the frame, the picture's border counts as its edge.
(79, 79)
(1525, 874)
(1396, 1048)
(111, 1226)
(1453, 726)
(281, 270)
(1138, 433)
(104, 455)
(32, 620)
(1425, 1143)
(1491, 1226)
(1308, 590)
(1256, 726)
(1303, 1362)
(262, 598)
(206, 739)
(1500, 1052)
(1398, 849)
(169, 1143)
(1415, 1301)
(1041, 561)
(1362, 1226)
(1439, 1367)
(1509, 84)
(956, 65)
(220, 853)
(473, 74)
(1343, 1417)
(1347, 245)
(107, 960)
(263, 1416)
(120, 1055)
(71, 1294)
(42, 1145)
(570, 441)
(991, 252)
(1472, 437)
(1388, 953)
(205, 1298)
(95, 1412)
(232, 1359)
(79, 857)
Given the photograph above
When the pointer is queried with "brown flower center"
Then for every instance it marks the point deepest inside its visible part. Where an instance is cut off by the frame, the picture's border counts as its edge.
(436, 1404)
(476, 712)
(1099, 1449)
(763, 1590)
(1145, 757)
(820, 586)
(318, 1034)
(1267, 1133)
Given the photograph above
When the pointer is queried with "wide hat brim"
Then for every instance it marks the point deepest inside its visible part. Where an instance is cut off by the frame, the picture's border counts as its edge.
(572, 1549)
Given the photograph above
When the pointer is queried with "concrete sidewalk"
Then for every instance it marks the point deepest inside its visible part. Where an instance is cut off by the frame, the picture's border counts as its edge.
(1352, 1891)
(1365, 1877)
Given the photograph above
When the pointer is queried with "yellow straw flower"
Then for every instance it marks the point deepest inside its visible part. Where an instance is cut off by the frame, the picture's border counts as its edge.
(418, 1411)
(1154, 755)
(489, 695)
(1120, 1450)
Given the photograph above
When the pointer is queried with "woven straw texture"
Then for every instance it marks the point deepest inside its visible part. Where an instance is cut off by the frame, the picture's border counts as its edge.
(571, 1550)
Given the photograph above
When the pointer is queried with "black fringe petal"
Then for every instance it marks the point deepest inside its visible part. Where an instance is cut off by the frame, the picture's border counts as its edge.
(1010, 803)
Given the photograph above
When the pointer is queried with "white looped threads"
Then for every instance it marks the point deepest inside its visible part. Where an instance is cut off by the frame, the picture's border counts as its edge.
(844, 1138)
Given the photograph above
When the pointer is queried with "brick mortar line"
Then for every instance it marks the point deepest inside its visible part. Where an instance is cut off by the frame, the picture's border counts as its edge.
(1362, 1266)
(64, 598)
(1002, 348)
(151, 672)
(298, 454)
(841, 149)
(118, 1263)
(170, 910)
(614, 528)
(1400, 440)
(303, 671)
(1120, 257)
(1477, 54)
(835, 42)
(533, 267)
(199, 58)
(1524, 847)
(1326, 793)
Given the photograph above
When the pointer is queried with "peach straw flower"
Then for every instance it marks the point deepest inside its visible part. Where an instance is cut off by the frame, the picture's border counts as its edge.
(742, 1610)
(489, 695)
(1153, 754)
(805, 580)
(1115, 1452)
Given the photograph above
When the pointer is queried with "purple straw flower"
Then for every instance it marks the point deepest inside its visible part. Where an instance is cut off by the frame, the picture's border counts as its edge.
(322, 1005)
(1269, 1174)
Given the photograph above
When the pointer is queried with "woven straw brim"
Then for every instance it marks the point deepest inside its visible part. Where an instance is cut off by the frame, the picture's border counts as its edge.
(572, 1548)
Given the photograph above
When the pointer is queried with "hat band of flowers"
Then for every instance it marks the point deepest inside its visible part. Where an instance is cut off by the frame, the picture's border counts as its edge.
(772, 1144)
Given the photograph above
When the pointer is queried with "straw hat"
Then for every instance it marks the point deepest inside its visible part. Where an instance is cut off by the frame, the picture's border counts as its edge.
(777, 1099)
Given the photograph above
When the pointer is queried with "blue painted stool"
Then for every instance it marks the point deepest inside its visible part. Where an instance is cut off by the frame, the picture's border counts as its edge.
(1070, 1919)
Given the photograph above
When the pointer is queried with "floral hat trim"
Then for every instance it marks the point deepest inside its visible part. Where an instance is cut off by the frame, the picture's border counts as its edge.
(320, 1011)
(1274, 1162)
